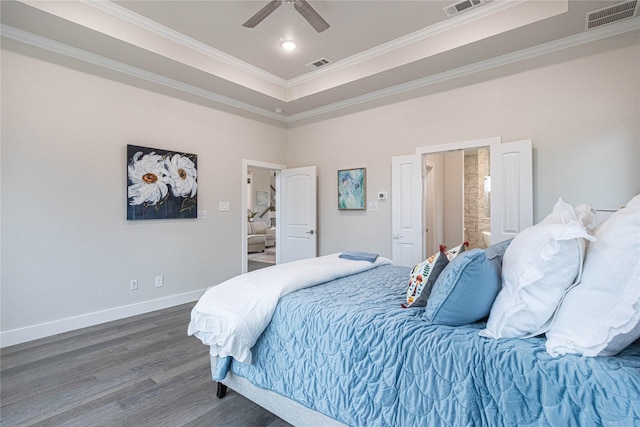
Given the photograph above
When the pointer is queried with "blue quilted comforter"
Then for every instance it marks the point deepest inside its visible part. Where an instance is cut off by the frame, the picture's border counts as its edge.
(349, 350)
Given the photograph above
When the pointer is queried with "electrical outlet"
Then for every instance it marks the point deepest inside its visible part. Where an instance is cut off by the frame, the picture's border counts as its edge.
(159, 281)
(133, 285)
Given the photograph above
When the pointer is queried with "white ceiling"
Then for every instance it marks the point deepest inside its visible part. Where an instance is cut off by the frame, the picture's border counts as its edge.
(380, 51)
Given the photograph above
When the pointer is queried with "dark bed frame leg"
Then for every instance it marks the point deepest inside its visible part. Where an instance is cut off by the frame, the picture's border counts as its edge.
(222, 391)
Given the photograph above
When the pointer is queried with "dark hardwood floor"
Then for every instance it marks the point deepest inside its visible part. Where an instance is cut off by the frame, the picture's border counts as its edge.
(257, 265)
(139, 371)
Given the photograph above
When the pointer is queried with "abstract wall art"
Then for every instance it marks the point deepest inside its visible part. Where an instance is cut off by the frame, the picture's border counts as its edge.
(351, 189)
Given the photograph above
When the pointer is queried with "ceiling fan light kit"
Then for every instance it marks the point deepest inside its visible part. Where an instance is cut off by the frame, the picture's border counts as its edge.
(288, 45)
(301, 6)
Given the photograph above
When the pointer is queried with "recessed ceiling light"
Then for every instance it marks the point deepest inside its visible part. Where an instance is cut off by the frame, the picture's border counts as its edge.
(288, 44)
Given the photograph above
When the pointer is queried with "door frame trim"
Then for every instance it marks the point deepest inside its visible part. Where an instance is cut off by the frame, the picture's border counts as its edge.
(440, 148)
(462, 145)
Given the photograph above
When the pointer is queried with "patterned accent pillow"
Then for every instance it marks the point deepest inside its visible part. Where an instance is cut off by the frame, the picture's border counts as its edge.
(454, 252)
(425, 274)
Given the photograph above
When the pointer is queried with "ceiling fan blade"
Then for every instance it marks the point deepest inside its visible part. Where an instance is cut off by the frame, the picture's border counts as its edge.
(310, 15)
(262, 13)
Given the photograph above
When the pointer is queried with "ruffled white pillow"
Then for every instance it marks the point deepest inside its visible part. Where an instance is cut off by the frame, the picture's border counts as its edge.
(601, 316)
(542, 262)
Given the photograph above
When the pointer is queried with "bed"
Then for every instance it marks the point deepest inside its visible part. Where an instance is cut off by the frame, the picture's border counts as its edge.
(339, 349)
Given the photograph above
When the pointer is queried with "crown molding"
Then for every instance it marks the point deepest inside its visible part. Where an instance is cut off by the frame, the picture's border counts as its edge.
(383, 49)
(407, 40)
(510, 58)
(177, 37)
(110, 64)
(600, 33)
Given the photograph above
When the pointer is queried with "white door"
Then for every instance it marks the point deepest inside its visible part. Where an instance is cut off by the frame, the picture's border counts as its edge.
(406, 210)
(511, 198)
(511, 189)
(297, 209)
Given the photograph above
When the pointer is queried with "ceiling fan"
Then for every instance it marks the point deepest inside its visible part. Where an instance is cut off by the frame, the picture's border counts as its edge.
(301, 6)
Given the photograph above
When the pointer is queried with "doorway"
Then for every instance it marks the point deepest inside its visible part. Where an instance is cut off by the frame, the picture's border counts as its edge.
(509, 193)
(456, 196)
(259, 211)
(261, 218)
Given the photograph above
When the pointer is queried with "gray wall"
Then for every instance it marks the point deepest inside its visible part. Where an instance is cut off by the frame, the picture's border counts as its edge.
(67, 249)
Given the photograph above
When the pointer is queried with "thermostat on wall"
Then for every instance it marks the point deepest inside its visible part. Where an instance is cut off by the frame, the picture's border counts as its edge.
(382, 195)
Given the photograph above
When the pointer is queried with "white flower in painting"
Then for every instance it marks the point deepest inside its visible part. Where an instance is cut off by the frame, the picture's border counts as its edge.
(149, 179)
(183, 175)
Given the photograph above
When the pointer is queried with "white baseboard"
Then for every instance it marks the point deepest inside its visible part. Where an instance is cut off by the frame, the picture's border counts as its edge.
(42, 330)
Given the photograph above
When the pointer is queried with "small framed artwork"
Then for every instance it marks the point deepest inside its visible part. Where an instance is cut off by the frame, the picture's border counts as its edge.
(161, 184)
(262, 198)
(351, 189)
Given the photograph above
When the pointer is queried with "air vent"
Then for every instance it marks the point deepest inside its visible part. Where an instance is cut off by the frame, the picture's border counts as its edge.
(318, 63)
(611, 14)
(462, 6)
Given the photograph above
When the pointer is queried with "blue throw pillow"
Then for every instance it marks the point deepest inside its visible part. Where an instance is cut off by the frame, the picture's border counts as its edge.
(467, 287)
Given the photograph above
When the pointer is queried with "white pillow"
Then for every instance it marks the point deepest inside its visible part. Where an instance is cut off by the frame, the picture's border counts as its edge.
(601, 316)
(538, 267)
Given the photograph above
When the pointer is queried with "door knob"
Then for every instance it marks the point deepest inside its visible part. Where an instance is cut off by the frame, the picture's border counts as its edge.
(310, 232)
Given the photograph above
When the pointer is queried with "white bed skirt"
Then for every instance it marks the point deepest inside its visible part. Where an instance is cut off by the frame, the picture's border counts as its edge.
(292, 412)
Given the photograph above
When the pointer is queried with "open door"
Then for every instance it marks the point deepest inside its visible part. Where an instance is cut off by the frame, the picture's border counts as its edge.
(297, 210)
(511, 195)
(406, 210)
(511, 189)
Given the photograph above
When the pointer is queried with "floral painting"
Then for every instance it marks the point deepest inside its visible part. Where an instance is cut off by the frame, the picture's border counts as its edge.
(351, 189)
(161, 184)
